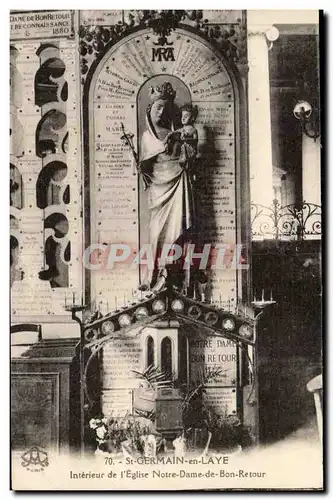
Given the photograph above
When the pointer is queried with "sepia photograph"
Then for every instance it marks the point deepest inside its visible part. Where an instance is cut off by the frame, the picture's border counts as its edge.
(165, 250)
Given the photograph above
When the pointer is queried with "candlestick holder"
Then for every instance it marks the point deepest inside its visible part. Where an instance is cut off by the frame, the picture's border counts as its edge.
(262, 303)
(77, 315)
(75, 308)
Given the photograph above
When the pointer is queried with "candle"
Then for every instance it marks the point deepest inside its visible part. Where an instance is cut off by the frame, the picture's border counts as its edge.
(271, 295)
(179, 445)
(220, 298)
(73, 298)
(263, 296)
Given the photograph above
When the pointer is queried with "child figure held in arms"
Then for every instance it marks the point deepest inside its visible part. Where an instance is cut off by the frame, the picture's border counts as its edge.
(187, 136)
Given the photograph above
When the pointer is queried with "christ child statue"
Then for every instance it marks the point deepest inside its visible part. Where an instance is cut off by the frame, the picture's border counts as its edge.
(188, 135)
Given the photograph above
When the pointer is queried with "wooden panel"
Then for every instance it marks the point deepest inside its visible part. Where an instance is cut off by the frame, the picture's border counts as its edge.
(35, 410)
(168, 414)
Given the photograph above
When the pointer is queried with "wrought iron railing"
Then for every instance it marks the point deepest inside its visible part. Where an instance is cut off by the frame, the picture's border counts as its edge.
(290, 222)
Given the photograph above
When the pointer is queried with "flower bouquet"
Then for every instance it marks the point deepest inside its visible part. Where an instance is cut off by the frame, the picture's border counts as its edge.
(128, 436)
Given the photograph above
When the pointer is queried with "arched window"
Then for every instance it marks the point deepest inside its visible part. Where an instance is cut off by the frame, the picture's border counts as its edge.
(166, 355)
(150, 351)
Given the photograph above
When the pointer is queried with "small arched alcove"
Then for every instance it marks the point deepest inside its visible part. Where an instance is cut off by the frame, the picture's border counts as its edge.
(50, 189)
(16, 187)
(144, 103)
(49, 84)
(50, 133)
(57, 251)
(15, 273)
(16, 134)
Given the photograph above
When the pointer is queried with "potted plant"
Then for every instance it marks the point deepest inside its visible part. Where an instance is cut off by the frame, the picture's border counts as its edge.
(225, 431)
(152, 380)
(203, 427)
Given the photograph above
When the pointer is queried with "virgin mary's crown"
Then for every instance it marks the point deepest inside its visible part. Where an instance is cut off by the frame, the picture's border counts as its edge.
(164, 91)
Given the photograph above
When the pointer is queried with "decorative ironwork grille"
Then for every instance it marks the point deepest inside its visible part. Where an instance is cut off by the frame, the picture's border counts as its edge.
(290, 222)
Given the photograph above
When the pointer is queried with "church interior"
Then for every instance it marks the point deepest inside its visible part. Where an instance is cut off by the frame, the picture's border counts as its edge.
(245, 343)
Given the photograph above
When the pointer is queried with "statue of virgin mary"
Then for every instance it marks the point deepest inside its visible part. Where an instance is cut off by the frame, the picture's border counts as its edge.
(168, 184)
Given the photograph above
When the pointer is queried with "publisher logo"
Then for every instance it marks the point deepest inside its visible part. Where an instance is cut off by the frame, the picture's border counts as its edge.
(35, 459)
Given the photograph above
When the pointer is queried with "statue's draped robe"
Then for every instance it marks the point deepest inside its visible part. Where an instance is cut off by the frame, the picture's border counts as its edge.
(169, 187)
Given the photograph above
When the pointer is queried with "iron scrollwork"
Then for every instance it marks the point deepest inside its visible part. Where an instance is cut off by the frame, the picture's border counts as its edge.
(290, 222)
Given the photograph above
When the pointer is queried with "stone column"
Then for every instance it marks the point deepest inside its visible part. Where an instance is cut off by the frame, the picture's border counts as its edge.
(260, 139)
(311, 170)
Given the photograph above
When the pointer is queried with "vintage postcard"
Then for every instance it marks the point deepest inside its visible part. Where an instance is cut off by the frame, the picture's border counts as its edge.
(165, 250)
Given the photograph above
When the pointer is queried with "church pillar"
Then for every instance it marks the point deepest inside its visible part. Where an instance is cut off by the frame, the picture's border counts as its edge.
(311, 170)
(260, 139)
